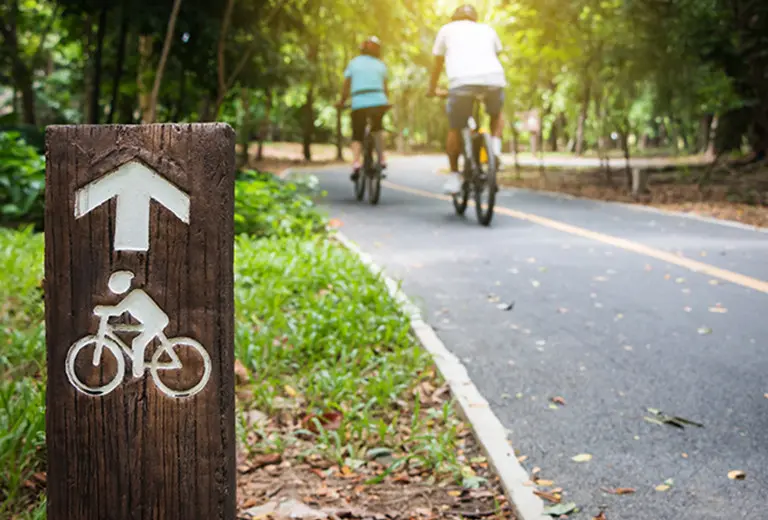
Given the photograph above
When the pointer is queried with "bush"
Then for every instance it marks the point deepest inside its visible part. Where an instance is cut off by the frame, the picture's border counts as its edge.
(22, 181)
(266, 206)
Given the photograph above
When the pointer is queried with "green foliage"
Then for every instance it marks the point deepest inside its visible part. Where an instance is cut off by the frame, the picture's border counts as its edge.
(266, 206)
(22, 181)
(313, 317)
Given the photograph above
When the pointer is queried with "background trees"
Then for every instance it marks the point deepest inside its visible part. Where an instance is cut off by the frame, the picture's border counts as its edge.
(677, 75)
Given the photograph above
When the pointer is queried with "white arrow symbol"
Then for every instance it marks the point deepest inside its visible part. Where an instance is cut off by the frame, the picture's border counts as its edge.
(135, 186)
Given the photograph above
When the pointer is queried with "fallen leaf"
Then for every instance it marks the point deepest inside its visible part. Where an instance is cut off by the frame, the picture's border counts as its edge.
(535, 283)
(562, 310)
(582, 457)
(335, 223)
(667, 276)
(600, 516)
(619, 491)
(737, 475)
(529, 483)
(662, 487)
(290, 391)
(531, 260)
(493, 298)
(560, 509)
(714, 282)
(249, 502)
(454, 493)
(765, 395)
(506, 306)
(558, 400)
(680, 280)
(684, 455)
(600, 279)
(660, 417)
(704, 331)
(687, 309)
(551, 497)
(242, 376)
(718, 309)
(544, 483)
(522, 458)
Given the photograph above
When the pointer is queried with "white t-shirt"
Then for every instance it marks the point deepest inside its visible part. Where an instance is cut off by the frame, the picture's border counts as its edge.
(471, 54)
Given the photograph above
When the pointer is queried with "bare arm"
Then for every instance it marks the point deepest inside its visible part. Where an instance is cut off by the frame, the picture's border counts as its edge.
(345, 92)
(386, 88)
(437, 69)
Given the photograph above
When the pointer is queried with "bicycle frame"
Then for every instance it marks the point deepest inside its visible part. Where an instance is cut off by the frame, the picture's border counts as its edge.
(138, 363)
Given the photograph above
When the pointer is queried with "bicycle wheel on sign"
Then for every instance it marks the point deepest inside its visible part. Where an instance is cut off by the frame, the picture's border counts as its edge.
(190, 378)
(485, 183)
(461, 199)
(71, 365)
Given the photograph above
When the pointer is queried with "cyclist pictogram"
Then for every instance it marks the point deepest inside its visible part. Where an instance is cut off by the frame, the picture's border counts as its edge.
(152, 323)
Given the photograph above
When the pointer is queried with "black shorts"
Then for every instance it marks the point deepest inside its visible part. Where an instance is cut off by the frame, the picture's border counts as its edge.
(361, 116)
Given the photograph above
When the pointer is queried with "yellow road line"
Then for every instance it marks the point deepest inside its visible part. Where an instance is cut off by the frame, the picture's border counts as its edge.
(693, 265)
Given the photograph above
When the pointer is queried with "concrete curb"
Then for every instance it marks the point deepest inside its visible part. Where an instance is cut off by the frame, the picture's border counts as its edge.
(488, 429)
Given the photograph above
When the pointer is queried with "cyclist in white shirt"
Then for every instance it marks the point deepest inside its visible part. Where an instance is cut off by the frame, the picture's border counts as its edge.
(469, 50)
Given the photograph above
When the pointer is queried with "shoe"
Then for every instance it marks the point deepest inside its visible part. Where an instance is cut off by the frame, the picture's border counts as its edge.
(355, 175)
(452, 186)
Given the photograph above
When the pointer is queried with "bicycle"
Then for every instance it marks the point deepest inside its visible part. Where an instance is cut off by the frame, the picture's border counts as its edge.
(370, 173)
(479, 167)
(106, 338)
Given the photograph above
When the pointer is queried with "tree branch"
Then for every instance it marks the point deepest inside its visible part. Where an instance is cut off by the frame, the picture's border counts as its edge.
(163, 60)
(222, 46)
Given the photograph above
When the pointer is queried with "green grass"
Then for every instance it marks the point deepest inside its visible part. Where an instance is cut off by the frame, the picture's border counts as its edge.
(318, 332)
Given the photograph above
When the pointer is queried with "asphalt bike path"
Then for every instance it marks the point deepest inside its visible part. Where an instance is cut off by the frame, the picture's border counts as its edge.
(611, 308)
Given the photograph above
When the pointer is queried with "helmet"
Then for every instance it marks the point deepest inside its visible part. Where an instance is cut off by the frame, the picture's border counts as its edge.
(372, 46)
(464, 12)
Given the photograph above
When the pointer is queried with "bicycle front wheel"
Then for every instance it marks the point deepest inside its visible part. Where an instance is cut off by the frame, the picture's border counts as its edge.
(95, 361)
(485, 182)
(188, 382)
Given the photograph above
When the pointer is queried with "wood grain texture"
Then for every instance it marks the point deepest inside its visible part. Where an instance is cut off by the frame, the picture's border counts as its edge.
(137, 453)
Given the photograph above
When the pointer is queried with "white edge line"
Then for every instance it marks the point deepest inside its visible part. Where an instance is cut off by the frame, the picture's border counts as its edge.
(487, 428)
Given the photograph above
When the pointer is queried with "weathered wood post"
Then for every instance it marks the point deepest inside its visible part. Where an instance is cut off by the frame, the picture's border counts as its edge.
(139, 322)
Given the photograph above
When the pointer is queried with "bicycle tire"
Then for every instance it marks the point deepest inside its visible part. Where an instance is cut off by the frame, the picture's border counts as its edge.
(362, 178)
(197, 347)
(486, 181)
(374, 185)
(461, 199)
(69, 366)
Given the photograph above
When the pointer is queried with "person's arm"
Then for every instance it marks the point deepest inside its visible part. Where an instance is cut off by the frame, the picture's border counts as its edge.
(345, 92)
(497, 42)
(438, 51)
(437, 68)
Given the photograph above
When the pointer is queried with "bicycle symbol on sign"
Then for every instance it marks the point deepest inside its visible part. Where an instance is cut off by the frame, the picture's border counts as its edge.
(153, 322)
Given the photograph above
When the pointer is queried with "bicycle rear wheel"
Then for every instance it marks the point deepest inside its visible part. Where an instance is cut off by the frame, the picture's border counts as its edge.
(362, 178)
(374, 184)
(461, 199)
(485, 182)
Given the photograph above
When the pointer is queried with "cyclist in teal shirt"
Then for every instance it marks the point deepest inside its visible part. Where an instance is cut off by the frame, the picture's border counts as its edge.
(366, 81)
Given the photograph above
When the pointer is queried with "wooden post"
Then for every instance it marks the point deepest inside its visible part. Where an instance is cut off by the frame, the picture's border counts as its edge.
(139, 231)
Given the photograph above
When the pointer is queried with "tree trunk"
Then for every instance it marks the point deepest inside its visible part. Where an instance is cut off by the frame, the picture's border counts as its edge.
(624, 135)
(144, 75)
(516, 148)
(339, 147)
(120, 63)
(265, 125)
(245, 130)
(308, 122)
(583, 119)
(96, 85)
(163, 60)
(21, 73)
(705, 124)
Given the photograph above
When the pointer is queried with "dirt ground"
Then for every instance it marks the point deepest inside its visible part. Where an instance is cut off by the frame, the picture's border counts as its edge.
(666, 191)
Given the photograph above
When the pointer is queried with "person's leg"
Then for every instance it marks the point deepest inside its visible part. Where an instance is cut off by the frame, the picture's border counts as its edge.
(377, 127)
(139, 346)
(494, 105)
(358, 134)
(459, 108)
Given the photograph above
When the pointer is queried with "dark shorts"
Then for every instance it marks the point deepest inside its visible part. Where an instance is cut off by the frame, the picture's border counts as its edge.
(361, 116)
(461, 100)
